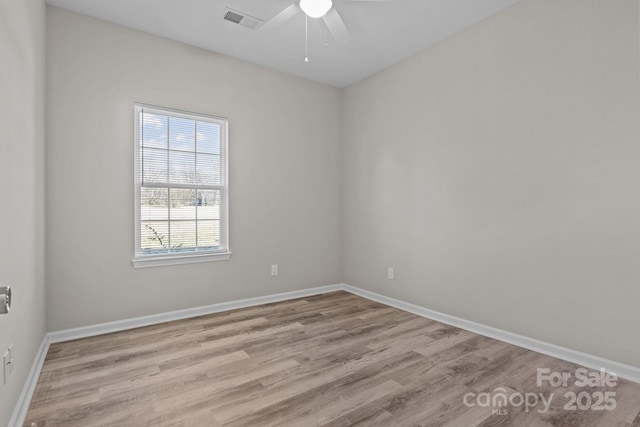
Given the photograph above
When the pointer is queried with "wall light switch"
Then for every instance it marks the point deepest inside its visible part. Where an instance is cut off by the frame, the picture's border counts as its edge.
(7, 364)
(11, 357)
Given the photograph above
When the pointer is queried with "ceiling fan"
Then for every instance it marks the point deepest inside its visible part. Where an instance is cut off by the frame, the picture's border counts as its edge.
(316, 9)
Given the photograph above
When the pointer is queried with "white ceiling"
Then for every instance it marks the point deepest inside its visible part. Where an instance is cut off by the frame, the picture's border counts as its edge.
(384, 32)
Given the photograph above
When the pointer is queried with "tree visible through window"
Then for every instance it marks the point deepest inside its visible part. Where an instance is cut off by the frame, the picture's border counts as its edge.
(181, 194)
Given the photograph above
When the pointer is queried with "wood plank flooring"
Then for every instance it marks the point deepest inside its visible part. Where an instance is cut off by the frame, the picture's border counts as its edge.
(334, 359)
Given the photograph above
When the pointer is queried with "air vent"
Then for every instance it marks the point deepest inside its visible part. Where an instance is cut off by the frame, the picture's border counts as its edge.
(243, 19)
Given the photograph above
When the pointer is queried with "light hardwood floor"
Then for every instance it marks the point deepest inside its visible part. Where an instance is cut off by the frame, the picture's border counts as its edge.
(334, 359)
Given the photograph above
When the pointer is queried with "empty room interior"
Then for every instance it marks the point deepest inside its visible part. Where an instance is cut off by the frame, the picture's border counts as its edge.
(316, 212)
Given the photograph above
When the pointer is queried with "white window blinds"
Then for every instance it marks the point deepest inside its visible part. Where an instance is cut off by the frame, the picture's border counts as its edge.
(181, 184)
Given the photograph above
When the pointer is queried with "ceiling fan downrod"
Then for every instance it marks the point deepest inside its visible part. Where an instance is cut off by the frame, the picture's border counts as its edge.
(306, 39)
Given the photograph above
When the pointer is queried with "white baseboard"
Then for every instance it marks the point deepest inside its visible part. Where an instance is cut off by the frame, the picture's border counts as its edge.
(628, 372)
(24, 400)
(137, 322)
(621, 370)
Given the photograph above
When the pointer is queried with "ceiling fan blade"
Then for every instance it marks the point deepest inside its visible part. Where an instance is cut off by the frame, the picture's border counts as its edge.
(280, 18)
(336, 27)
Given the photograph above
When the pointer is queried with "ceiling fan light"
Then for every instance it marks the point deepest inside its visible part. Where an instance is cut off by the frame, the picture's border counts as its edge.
(315, 8)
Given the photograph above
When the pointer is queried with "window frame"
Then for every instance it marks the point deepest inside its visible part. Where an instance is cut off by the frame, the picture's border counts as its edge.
(142, 260)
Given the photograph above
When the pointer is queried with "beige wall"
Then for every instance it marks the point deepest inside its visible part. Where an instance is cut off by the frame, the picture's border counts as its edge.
(498, 172)
(22, 71)
(284, 173)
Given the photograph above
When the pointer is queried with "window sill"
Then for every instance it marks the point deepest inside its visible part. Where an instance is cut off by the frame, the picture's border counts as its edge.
(165, 260)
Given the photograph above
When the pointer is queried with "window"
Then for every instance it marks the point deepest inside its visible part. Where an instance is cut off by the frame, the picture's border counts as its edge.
(181, 187)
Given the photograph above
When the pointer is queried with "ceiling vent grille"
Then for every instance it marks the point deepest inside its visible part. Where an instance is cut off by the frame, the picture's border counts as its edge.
(243, 19)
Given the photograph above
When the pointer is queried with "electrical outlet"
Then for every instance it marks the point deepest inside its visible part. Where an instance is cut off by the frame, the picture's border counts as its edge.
(274, 269)
(390, 273)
